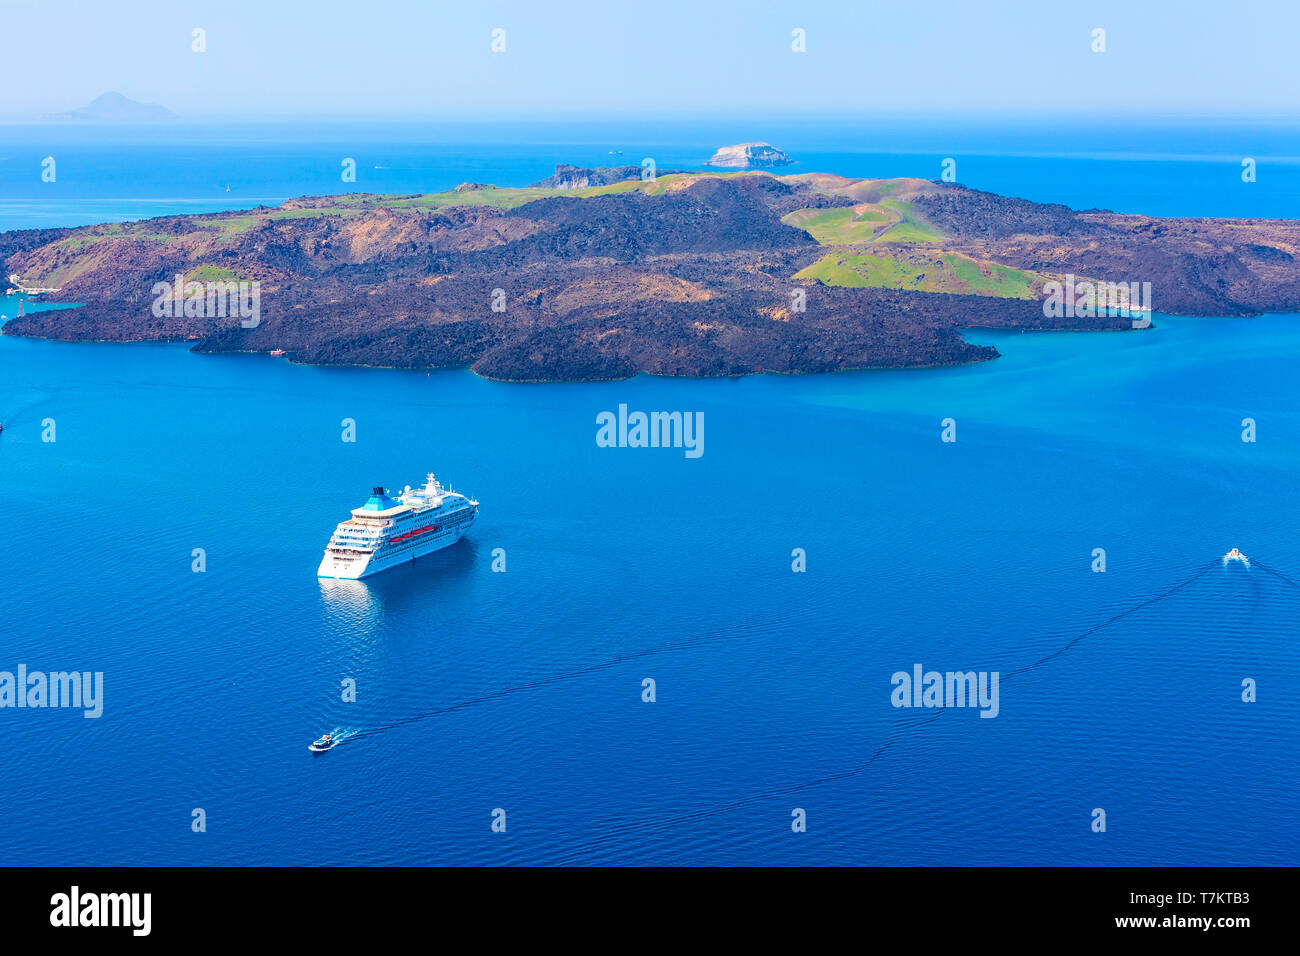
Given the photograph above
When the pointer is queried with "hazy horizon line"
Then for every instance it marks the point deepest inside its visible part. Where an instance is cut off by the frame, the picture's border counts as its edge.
(478, 117)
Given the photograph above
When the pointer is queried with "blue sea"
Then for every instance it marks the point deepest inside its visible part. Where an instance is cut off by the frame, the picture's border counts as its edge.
(521, 690)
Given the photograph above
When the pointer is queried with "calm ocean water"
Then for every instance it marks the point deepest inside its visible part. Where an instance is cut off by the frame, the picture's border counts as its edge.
(116, 173)
(772, 687)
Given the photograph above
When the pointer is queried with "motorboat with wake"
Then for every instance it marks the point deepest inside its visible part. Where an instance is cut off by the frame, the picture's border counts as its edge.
(1235, 555)
(326, 742)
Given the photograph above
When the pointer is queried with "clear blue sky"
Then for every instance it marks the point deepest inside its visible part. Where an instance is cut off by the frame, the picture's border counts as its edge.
(432, 58)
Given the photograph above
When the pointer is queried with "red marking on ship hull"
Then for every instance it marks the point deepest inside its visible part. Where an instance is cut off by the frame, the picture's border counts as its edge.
(414, 533)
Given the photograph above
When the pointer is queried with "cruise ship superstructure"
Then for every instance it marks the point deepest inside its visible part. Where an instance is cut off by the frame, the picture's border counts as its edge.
(389, 530)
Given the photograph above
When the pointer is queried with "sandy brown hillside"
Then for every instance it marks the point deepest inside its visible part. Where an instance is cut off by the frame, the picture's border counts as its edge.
(687, 274)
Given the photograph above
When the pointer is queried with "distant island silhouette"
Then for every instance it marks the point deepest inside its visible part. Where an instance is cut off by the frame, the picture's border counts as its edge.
(114, 108)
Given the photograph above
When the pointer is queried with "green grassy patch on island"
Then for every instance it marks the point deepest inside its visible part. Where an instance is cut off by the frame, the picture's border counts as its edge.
(305, 213)
(911, 228)
(509, 197)
(888, 221)
(210, 273)
(842, 226)
(923, 271)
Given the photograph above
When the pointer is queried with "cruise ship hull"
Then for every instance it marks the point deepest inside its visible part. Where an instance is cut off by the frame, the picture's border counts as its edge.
(364, 565)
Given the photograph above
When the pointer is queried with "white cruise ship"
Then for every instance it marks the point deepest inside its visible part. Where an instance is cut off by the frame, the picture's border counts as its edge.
(387, 531)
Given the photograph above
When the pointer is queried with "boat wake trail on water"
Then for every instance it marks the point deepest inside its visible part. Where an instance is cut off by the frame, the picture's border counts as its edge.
(1114, 618)
(20, 413)
(542, 682)
(703, 641)
(1277, 574)
(902, 734)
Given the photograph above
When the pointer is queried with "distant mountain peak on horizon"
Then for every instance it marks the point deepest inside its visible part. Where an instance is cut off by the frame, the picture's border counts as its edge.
(113, 107)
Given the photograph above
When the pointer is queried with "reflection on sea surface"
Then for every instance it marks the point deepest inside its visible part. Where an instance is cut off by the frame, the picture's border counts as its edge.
(350, 603)
(367, 604)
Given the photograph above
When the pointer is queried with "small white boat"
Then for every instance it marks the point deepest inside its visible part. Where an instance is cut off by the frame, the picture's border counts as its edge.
(323, 744)
(1235, 555)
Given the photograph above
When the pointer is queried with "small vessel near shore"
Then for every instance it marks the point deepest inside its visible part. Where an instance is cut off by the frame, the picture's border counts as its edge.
(391, 530)
(1235, 555)
(276, 353)
(27, 290)
(324, 743)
